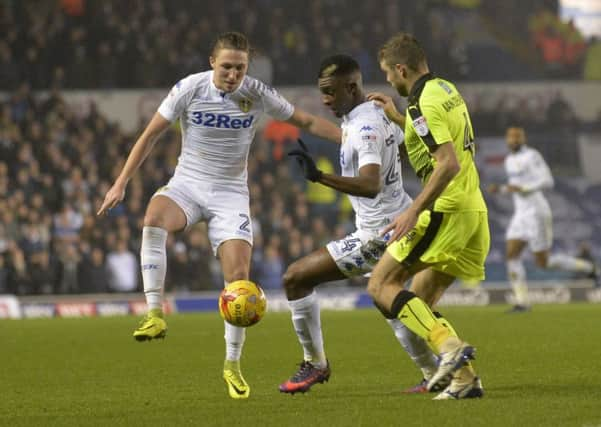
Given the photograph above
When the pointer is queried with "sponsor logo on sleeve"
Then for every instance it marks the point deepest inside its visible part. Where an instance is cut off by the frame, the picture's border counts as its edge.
(367, 133)
(421, 126)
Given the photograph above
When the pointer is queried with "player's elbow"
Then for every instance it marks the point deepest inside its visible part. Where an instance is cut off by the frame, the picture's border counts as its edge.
(373, 189)
(451, 168)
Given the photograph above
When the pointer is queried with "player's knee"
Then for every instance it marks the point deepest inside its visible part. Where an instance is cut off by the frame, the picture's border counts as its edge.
(373, 286)
(293, 278)
(152, 219)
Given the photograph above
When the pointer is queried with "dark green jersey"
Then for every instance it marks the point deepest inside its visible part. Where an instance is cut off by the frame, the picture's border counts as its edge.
(437, 114)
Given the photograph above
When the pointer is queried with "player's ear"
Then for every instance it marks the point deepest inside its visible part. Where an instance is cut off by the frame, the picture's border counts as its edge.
(401, 70)
(352, 88)
(212, 61)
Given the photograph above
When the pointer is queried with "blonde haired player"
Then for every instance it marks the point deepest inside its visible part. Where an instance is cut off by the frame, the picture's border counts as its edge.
(444, 233)
(532, 223)
(218, 111)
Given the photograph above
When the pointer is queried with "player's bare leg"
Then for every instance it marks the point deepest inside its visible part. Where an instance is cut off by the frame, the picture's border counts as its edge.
(386, 287)
(516, 274)
(234, 256)
(163, 216)
(563, 262)
(300, 280)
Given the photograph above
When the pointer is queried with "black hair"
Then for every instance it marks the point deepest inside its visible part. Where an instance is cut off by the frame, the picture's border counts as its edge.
(338, 65)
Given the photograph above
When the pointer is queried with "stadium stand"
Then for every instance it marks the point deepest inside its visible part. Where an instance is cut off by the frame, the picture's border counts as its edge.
(55, 165)
(108, 44)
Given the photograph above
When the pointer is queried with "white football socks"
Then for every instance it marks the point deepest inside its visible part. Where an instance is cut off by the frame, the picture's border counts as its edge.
(307, 324)
(517, 277)
(153, 259)
(569, 263)
(416, 347)
(234, 341)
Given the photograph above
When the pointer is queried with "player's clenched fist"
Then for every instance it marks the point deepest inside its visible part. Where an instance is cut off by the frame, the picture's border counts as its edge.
(113, 197)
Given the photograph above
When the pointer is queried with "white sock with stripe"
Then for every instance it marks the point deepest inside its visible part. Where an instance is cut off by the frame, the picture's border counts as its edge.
(307, 324)
(517, 277)
(570, 263)
(416, 347)
(153, 260)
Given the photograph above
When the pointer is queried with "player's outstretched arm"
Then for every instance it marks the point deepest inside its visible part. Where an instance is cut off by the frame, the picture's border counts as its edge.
(138, 153)
(388, 106)
(316, 125)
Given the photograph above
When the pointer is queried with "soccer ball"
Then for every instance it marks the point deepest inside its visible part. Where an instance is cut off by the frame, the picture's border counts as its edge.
(242, 303)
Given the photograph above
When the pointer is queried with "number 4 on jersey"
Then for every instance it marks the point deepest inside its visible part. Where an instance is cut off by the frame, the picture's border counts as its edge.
(468, 138)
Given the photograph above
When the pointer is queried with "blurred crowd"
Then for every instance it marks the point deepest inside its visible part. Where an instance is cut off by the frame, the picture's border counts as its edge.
(152, 43)
(563, 48)
(55, 168)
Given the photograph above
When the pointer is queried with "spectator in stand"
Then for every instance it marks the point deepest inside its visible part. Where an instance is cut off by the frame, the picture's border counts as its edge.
(592, 61)
(272, 267)
(179, 268)
(93, 274)
(43, 273)
(122, 267)
(69, 258)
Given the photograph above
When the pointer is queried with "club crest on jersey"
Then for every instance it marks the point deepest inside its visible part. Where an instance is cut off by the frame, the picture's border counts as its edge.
(421, 126)
(245, 105)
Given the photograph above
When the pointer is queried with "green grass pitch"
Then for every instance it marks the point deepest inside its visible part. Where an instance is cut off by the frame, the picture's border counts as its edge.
(539, 368)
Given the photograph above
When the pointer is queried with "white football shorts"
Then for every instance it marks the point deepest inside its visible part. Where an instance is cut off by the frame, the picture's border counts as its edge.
(224, 208)
(533, 227)
(359, 252)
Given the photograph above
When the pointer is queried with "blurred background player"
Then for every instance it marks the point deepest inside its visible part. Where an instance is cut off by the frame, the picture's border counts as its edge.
(371, 176)
(532, 222)
(218, 110)
(444, 233)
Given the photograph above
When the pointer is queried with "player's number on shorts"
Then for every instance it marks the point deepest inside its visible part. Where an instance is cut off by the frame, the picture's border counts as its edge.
(350, 244)
(245, 224)
(468, 139)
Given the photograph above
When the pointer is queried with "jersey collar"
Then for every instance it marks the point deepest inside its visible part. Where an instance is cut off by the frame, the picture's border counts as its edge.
(218, 93)
(418, 87)
(358, 110)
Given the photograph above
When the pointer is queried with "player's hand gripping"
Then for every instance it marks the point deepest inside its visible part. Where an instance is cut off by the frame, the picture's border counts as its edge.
(306, 162)
(388, 106)
(401, 225)
(113, 197)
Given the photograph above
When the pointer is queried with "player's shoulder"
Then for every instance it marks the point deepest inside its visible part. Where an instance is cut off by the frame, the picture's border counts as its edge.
(365, 116)
(439, 94)
(195, 80)
(531, 151)
(191, 82)
(439, 87)
(256, 87)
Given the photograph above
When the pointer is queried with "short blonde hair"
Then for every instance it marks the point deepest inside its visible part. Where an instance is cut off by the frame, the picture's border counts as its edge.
(403, 48)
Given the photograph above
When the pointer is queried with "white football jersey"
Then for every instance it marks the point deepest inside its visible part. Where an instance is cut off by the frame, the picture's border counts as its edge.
(527, 169)
(368, 137)
(218, 127)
